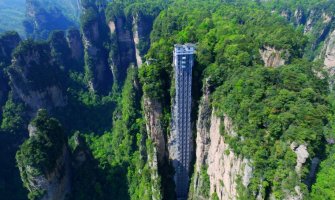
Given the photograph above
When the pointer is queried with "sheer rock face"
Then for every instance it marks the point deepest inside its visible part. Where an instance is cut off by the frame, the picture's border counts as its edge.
(223, 165)
(329, 47)
(314, 16)
(173, 140)
(124, 52)
(76, 45)
(59, 181)
(142, 26)
(136, 38)
(35, 80)
(130, 41)
(273, 57)
(202, 147)
(153, 114)
(318, 24)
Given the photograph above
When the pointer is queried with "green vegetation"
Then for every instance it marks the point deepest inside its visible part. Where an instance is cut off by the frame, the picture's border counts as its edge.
(13, 117)
(126, 152)
(325, 183)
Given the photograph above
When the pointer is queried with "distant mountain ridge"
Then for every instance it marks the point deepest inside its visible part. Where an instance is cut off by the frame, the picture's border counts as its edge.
(32, 17)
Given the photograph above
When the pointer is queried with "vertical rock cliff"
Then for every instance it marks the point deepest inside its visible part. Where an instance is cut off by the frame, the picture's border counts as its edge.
(130, 40)
(44, 160)
(60, 51)
(329, 53)
(218, 170)
(95, 38)
(75, 44)
(142, 26)
(122, 54)
(153, 114)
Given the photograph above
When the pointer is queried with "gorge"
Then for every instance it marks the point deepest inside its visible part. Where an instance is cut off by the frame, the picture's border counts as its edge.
(91, 111)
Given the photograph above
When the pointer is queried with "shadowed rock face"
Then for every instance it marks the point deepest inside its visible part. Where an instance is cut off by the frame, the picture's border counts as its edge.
(153, 114)
(8, 42)
(75, 43)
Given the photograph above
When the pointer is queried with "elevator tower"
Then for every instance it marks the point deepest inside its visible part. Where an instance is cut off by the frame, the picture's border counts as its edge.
(183, 59)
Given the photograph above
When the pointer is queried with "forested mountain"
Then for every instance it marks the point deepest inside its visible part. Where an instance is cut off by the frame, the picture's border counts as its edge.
(87, 101)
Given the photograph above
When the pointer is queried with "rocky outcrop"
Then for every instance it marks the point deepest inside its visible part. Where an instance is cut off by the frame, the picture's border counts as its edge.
(286, 14)
(329, 54)
(222, 166)
(153, 114)
(317, 21)
(302, 155)
(273, 57)
(35, 79)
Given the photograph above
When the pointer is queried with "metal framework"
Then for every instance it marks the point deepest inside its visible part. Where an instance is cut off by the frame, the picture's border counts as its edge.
(183, 59)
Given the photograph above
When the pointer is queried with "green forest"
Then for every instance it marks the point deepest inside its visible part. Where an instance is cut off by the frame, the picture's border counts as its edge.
(81, 119)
